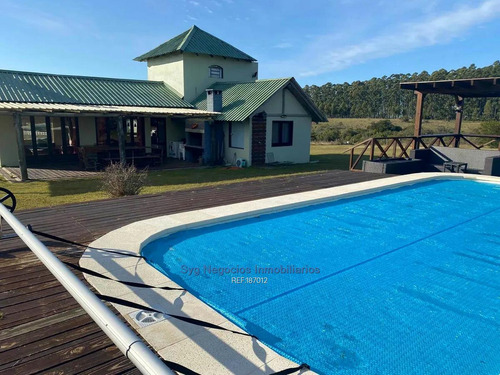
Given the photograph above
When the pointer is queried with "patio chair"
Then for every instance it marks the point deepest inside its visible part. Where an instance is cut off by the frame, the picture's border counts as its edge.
(182, 151)
(88, 160)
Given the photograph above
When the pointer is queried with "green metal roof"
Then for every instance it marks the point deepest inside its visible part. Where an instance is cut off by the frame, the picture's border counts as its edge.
(27, 87)
(196, 40)
(242, 99)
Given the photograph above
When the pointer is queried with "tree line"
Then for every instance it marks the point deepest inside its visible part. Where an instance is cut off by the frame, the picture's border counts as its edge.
(382, 97)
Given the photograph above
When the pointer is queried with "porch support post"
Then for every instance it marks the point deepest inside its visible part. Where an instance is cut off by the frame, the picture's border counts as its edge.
(458, 118)
(20, 146)
(121, 141)
(419, 110)
(33, 136)
(48, 127)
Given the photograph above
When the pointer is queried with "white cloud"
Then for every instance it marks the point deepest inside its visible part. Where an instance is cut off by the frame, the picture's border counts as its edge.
(406, 37)
(192, 18)
(283, 45)
(195, 3)
(209, 10)
(32, 16)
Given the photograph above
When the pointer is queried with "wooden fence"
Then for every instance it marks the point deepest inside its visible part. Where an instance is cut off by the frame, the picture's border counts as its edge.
(398, 147)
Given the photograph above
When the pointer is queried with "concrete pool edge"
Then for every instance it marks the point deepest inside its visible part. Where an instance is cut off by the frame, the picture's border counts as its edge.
(195, 348)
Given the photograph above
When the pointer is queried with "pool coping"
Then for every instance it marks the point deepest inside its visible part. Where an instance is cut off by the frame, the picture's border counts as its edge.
(197, 348)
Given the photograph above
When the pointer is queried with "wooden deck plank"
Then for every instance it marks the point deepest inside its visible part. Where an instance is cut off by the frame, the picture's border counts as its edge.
(45, 307)
(35, 335)
(42, 347)
(49, 332)
(116, 366)
(80, 347)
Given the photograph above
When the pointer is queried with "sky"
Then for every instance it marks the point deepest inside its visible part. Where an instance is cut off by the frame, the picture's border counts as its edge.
(315, 41)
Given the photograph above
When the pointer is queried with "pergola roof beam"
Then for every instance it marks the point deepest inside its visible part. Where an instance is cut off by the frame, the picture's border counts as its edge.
(467, 88)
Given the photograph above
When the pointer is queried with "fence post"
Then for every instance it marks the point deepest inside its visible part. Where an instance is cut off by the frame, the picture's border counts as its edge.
(416, 143)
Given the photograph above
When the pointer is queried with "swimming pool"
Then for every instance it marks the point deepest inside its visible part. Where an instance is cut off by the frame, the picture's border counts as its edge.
(400, 281)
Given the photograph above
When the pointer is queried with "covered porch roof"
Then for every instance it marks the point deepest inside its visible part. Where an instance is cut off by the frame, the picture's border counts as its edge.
(101, 109)
(17, 110)
(466, 88)
(459, 88)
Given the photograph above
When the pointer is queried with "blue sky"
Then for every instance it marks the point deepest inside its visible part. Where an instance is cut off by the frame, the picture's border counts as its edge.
(316, 41)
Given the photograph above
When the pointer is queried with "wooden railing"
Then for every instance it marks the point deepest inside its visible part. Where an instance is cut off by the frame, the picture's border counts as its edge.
(398, 147)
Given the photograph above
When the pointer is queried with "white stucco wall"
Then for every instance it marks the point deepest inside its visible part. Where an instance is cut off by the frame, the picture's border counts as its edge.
(188, 73)
(231, 153)
(86, 126)
(56, 131)
(299, 151)
(196, 73)
(8, 143)
(169, 69)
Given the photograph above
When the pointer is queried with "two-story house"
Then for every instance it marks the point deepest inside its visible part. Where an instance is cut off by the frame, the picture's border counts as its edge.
(202, 101)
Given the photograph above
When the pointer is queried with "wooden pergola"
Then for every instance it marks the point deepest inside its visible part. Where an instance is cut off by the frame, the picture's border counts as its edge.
(459, 88)
(400, 145)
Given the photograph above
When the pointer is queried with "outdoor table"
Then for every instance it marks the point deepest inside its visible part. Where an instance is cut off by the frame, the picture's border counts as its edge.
(454, 166)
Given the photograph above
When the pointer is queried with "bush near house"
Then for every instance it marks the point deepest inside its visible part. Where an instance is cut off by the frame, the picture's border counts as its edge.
(120, 180)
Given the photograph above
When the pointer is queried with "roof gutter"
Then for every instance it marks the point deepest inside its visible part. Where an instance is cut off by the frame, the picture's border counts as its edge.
(123, 337)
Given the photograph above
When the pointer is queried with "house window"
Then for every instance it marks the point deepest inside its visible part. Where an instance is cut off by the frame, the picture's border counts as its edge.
(43, 138)
(215, 71)
(101, 130)
(107, 131)
(282, 133)
(236, 135)
(134, 131)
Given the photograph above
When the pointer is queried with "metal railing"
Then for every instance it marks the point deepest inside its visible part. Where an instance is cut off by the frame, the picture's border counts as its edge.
(123, 337)
(398, 147)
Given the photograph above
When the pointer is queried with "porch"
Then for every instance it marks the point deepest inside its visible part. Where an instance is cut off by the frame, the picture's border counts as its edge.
(65, 144)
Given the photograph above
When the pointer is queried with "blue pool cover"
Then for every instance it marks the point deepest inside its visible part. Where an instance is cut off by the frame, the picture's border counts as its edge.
(404, 281)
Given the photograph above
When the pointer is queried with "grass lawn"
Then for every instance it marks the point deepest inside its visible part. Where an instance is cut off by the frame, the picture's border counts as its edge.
(51, 193)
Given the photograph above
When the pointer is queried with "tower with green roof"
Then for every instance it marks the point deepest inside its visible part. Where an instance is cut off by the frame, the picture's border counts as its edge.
(194, 60)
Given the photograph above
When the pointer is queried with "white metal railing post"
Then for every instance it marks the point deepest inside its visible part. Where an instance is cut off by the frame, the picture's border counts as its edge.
(123, 337)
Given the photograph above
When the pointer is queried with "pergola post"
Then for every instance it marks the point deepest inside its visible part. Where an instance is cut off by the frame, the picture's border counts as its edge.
(458, 118)
(419, 110)
(121, 141)
(20, 146)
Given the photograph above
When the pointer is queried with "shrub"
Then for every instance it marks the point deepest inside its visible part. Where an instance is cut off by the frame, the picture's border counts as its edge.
(383, 126)
(324, 133)
(350, 136)
(120, 180)
(490, 127)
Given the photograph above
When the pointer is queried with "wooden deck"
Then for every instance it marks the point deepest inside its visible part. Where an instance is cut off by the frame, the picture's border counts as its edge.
(42, 328)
